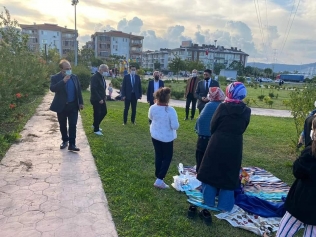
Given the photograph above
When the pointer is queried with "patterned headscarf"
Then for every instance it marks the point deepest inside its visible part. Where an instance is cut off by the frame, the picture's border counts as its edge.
(215, 94)
(235, 92)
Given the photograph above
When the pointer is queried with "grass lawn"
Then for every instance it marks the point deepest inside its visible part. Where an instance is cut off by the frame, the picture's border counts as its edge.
(125, 161)
(280, 95)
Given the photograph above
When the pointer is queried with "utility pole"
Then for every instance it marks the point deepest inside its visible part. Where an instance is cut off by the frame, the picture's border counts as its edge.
(274, 61)
(74, 3)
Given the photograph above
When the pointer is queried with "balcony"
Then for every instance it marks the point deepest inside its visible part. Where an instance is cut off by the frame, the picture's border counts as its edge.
(135, 51)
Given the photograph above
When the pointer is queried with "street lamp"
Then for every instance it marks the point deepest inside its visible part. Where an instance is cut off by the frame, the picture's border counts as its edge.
(74, 3)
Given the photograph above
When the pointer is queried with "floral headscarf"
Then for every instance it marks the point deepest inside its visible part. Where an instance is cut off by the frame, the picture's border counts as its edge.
(235, 92)
(215, 94)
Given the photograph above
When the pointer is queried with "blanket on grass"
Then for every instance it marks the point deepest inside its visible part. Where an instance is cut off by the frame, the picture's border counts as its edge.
(262, 188)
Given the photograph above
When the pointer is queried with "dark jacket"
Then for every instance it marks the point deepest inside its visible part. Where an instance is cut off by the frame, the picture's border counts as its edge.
(58, 86)
(222, 159)
(127, 87)
(97, 87)
(150, 90)
(301, 199)
(187, 88)
(201, 91)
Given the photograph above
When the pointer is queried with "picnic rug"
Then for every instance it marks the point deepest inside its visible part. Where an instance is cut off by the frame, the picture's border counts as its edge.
(255, 182)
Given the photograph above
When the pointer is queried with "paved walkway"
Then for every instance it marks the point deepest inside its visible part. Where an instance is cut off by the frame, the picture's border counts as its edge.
(254, 111)
(45, 191)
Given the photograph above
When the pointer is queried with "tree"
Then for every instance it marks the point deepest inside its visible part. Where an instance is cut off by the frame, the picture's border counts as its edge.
(249, 71)
(176, 65)
(268, 71)
(96, 62)
(52, 54)
(218, 67)
(86, 56)
(114, 60)
(191, 65)
(157, 65)
(236, 65)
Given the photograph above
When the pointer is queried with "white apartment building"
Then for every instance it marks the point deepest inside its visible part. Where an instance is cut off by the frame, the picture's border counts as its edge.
(51, 35)
(149, 58)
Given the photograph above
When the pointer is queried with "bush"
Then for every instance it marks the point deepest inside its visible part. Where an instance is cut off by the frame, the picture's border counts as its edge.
(241, 79)
(260, 97)
(177, 94)
(271, 95)
(83, 73)
(116, 82)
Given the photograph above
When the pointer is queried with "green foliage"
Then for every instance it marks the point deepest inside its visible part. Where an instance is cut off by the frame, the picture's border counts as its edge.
(157, 65)
(117, 82)
(218, 67)
(260, 97)
(241, 79)
(86, 57)
(176, 65)
(266, 99)
(177, 94)
(301, 103)
(236, 65)
(96, 62)
(191, 65)
(83, 73)
(271, 94)
(270, 103)
(268, 71)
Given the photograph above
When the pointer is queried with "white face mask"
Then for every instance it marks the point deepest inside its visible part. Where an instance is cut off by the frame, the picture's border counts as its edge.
(312, 134)
(105, 74)
(193, 74)
(133, 72)
(68, 72)
(315, 103)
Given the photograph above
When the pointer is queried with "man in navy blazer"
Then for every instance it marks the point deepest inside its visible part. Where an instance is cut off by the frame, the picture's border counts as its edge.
(66, 103)
(131, 92)
(153, 86)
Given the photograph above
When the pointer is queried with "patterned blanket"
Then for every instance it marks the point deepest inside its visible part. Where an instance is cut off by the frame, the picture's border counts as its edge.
(260, 183)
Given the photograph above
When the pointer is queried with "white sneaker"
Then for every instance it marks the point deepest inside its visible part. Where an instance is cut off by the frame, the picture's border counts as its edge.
(100, 129)
(98, 133)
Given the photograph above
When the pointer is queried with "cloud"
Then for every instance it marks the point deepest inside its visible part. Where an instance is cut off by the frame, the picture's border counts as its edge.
(133, 25)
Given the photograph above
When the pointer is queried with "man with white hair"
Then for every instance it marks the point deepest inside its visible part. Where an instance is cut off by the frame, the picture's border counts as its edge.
(97, 98)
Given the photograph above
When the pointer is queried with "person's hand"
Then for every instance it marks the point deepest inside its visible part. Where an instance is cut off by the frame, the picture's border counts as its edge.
(101, 102)
(66, 78)
(81, 107)
(204, 99)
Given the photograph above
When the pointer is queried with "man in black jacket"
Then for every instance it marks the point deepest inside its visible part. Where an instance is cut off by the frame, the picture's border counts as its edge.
(203, 88)
(66, 103)
(97, 98)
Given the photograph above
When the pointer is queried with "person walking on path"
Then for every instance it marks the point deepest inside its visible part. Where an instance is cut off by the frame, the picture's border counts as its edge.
(203, 87)
(153, 86)
(97, 97)
(66, 103)
(190, 95)
(163, 131)
(300, 202)
(131, 92)
(221, 162)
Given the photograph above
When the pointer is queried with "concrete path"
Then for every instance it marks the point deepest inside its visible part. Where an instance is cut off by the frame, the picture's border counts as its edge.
(254, 111)
(45, 191)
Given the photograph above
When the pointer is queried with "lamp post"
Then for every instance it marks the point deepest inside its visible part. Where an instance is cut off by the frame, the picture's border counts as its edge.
(74, 3)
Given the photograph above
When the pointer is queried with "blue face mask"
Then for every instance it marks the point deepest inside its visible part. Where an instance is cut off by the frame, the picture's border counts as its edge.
(68, 72)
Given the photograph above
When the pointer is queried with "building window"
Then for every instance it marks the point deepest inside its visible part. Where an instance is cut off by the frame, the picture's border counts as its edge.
(57, 33)
(44, 41)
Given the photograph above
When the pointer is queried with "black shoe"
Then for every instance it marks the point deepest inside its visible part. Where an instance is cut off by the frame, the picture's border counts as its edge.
(185, 119)
(206, 217)
(192, 212)
(192, 118)
(73, 148)
(63, 145)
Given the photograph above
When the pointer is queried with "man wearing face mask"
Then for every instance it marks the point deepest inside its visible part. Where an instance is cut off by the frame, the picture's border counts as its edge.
(189, 95)
(153, 86)
(66, 103)
(203, 88)
(97, 97)
(131, 92)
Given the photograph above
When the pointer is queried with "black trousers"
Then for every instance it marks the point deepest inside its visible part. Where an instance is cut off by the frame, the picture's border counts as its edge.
(190, 99)
(150, 104)
(69, 113)
(163, 157)
(99, 112)
(127, 103)
(200, 150)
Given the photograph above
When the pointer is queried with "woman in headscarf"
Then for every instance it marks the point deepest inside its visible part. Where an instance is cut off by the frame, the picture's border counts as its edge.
(203, 123)
(219, 169)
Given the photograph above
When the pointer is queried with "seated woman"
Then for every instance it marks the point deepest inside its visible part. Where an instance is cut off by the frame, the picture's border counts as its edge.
(300, 202)
(219, 169)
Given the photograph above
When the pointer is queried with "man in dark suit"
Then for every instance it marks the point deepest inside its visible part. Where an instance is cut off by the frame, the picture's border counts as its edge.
(131, 92)
(97, 97)
(153, 86)
(190, 96)
(203, 88)
(66, 103)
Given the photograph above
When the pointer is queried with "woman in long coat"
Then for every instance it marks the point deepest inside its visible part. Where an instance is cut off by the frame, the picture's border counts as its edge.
(221, 163)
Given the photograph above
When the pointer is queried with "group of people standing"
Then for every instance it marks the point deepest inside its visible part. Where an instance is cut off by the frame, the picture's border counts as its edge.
(223, 118)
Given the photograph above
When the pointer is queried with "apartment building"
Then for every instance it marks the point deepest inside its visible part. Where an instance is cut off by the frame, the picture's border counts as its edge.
(149, 58)
(208, 54)
(51, 35)
(118, 43)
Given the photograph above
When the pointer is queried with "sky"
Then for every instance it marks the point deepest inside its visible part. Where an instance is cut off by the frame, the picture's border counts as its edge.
(270, 31)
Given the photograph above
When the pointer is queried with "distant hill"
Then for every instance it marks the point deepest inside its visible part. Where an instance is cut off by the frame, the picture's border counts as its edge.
(283, 67)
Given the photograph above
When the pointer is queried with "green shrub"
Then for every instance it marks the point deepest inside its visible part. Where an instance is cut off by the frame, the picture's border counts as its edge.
(260, 97)
(271, 94)
(241, 79)
(247, 101)
(83, 73)
(116, 82)
(177, 94)
(266, 99)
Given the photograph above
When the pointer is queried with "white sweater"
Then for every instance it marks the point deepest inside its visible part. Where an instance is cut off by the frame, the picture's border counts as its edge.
(164, 123)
